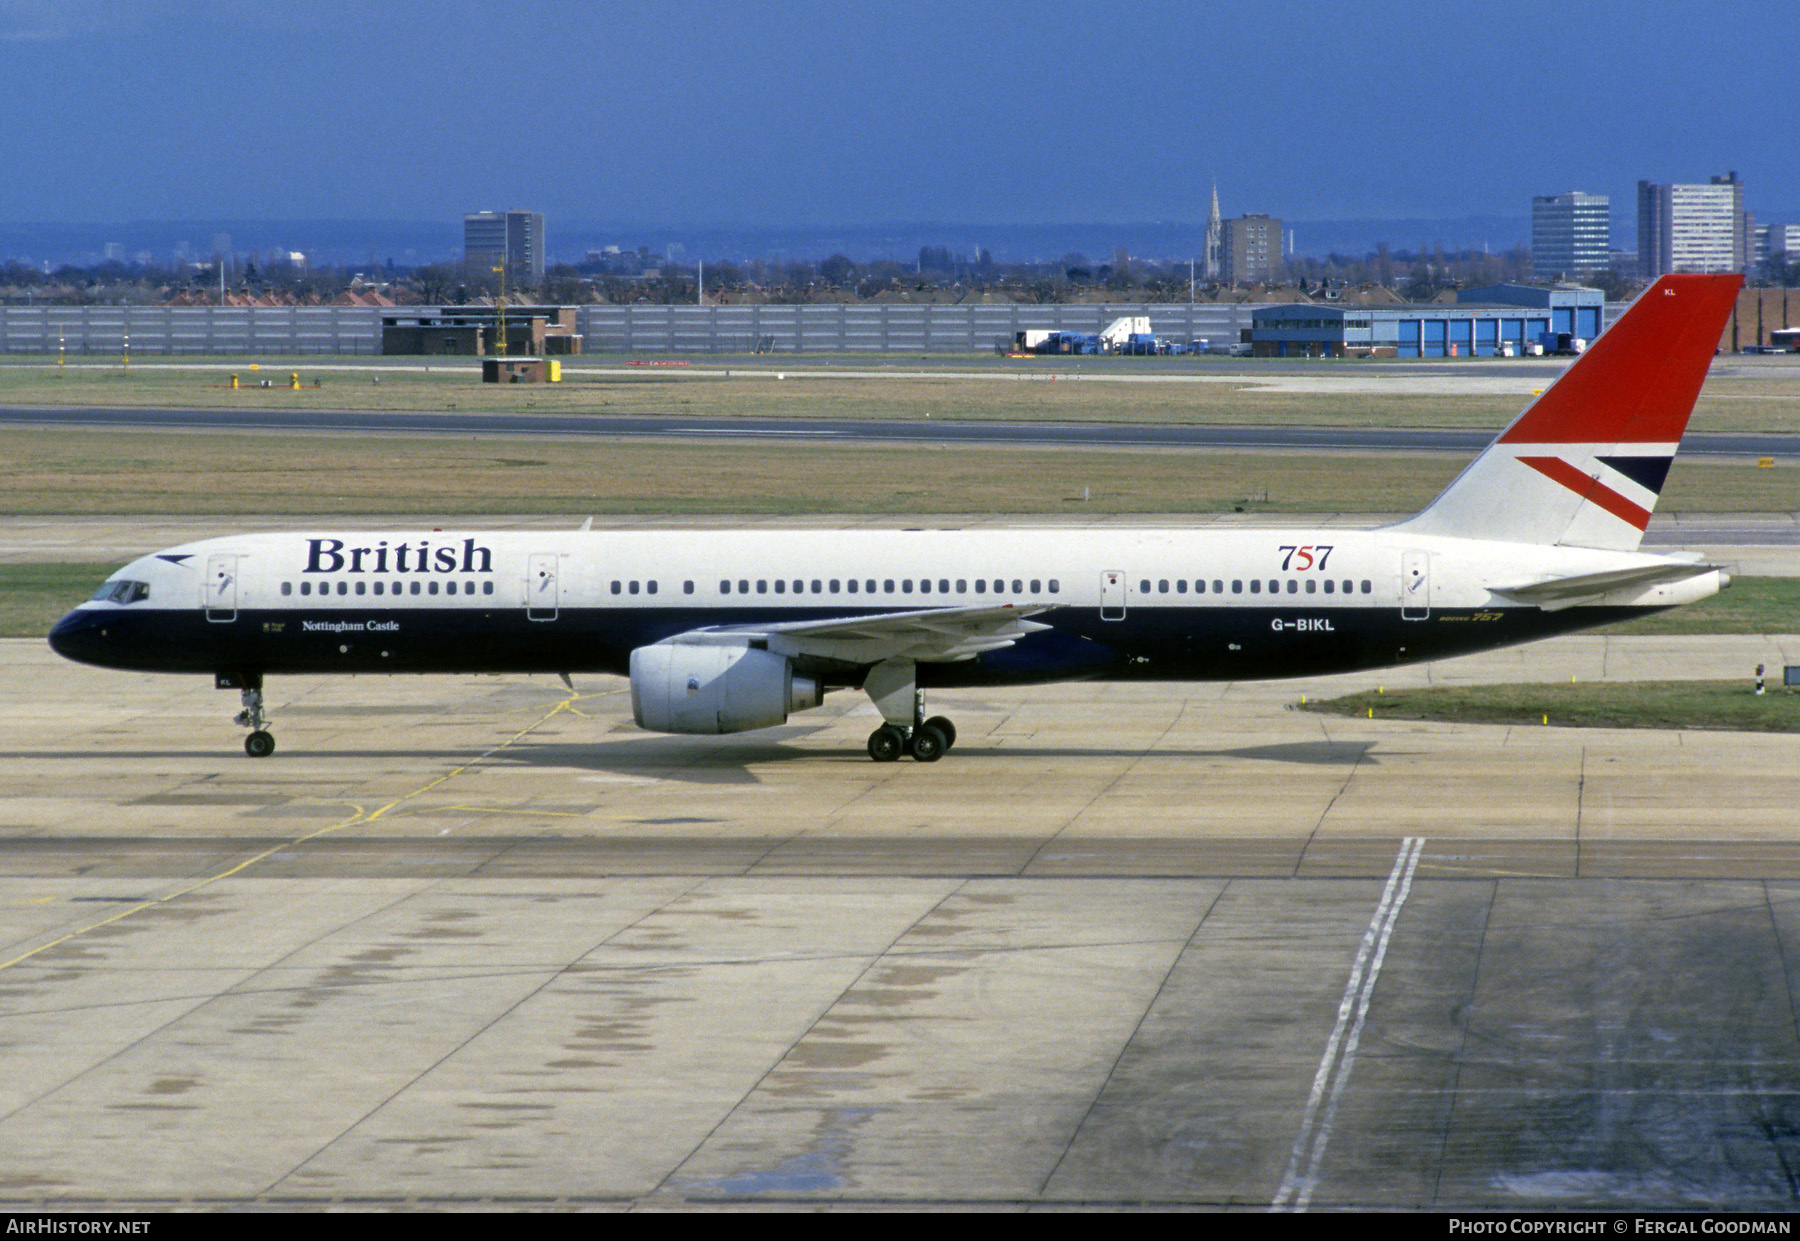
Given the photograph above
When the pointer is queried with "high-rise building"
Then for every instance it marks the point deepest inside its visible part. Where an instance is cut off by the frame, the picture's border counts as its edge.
(1778, 243)
(1693, 228)
(1571, 235)
(517, 237)
(1250, 250)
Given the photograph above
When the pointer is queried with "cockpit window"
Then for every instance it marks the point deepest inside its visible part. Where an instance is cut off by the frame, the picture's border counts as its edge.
(121, 591)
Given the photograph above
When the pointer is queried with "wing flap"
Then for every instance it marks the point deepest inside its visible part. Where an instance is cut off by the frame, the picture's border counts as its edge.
(929, 635)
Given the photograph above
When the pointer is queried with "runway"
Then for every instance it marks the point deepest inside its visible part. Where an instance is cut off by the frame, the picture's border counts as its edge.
(919, 431)
(479, 942)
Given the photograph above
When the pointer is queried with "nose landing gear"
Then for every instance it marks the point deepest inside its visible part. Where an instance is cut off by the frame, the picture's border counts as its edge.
(261, 742)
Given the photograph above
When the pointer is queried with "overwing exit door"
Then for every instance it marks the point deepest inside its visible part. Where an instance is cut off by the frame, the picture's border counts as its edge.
(1112, 595)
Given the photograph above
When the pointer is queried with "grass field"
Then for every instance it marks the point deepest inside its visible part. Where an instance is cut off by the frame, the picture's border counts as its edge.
(1741, 399)
(1614, 704)
(96, 472)
(33, 596)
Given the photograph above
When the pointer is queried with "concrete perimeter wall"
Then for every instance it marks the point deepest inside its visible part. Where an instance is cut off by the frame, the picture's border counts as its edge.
(105, 330)
(879, 328)
(925, 329)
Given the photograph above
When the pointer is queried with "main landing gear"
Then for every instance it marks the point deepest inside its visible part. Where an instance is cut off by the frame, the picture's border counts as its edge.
(927, 741)
(893, 686)
(261, 742)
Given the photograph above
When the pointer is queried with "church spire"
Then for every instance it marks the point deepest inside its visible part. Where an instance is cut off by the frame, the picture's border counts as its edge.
(1213, 266)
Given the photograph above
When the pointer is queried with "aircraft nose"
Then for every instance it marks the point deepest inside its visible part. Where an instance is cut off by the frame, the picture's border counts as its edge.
(81, 636)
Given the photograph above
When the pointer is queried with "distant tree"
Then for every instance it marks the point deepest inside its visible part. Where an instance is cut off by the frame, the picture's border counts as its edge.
(566, 288)
(838, 271)
(436, 283)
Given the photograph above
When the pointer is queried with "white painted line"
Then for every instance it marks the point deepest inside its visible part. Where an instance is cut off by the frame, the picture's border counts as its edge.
(1340, 1050)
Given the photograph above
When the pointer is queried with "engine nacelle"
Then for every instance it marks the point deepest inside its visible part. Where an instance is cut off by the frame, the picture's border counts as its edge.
(683, 687)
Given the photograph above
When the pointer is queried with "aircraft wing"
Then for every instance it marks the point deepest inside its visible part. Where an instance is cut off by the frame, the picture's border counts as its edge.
(1553, 594)
(929, 635)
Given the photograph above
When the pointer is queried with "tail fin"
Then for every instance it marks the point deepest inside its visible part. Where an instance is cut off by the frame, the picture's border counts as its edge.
(1585, 462)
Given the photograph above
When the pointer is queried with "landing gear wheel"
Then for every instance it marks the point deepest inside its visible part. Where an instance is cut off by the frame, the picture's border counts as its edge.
(259, 744)
(886, 743)
(944, 726)
(928, 743)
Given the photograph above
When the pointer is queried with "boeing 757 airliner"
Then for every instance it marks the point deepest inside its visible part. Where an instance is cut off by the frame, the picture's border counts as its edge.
(727, 631)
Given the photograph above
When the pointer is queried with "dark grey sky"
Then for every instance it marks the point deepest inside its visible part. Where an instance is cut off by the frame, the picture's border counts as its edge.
(840, 113)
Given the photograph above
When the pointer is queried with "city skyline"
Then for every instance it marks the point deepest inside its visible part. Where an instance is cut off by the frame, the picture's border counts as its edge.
(809, 114)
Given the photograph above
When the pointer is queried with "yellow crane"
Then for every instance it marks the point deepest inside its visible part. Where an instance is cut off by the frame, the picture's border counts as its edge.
(500, 308)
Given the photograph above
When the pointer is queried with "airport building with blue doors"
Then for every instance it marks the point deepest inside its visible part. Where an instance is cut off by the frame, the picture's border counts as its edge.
(1499, 320)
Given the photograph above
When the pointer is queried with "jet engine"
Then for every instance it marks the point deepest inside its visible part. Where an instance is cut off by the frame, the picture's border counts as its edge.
(685, 687)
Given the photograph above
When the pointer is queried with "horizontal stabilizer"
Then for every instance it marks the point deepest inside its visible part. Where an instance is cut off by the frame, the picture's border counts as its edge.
(1553, 594)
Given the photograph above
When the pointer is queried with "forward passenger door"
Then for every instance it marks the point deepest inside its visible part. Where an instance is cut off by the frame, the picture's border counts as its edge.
(541, 587)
